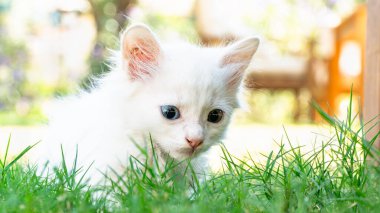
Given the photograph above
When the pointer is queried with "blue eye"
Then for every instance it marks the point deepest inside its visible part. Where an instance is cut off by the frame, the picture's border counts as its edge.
(170, 112)
(215, 116)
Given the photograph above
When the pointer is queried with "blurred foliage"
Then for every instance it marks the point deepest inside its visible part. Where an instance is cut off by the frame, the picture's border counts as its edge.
(19, 99)
(13, 62)
(165, 25)
(35, 116)
(110, 18)
(12, 76)
(271, 107)
(291, 24)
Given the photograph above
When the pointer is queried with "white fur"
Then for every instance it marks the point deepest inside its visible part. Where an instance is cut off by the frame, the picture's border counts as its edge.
(106, 122)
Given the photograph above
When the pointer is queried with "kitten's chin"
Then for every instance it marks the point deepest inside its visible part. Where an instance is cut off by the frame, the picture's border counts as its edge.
(185, 153)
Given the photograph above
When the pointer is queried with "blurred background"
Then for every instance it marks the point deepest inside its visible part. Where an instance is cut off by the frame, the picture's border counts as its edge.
(310, 50)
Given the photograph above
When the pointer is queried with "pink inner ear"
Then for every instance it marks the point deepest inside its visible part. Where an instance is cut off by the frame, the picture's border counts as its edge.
(236, 58)
(236, 66)
(235, 79)
(144, 51)
(142, 59)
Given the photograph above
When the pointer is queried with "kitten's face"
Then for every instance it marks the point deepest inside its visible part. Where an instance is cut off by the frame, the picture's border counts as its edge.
(189, 104)
(186, 94)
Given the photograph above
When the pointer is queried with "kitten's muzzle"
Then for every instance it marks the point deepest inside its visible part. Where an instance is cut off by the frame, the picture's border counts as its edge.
(194, 142)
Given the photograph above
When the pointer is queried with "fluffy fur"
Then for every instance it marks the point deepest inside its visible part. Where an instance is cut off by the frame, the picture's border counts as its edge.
(124, 108)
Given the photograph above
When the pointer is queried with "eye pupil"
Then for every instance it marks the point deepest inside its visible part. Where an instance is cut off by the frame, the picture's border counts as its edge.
(170, 112)
(215, 116)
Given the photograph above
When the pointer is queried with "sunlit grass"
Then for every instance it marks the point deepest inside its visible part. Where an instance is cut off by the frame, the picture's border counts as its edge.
(14, 118)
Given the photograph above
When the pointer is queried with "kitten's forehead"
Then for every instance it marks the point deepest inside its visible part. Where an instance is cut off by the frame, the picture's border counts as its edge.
(192, 65)
(191, 77)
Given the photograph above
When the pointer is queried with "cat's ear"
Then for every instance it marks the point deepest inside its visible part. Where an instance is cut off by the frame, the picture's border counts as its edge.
(237, 58)
(141, 52)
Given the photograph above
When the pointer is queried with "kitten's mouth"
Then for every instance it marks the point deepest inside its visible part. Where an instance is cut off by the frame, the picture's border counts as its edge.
(186, 152)
(189, 151)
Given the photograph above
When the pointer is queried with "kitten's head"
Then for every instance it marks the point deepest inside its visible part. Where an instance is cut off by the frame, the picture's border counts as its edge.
(185, 94)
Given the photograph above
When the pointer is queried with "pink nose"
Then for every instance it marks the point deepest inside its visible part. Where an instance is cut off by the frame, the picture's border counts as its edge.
(194, 142)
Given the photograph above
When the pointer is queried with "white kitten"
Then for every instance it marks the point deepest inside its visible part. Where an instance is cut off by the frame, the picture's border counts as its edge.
(182, 96)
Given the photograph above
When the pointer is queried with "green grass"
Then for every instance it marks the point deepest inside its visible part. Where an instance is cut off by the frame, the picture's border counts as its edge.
(10, 117)
(339, 175)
